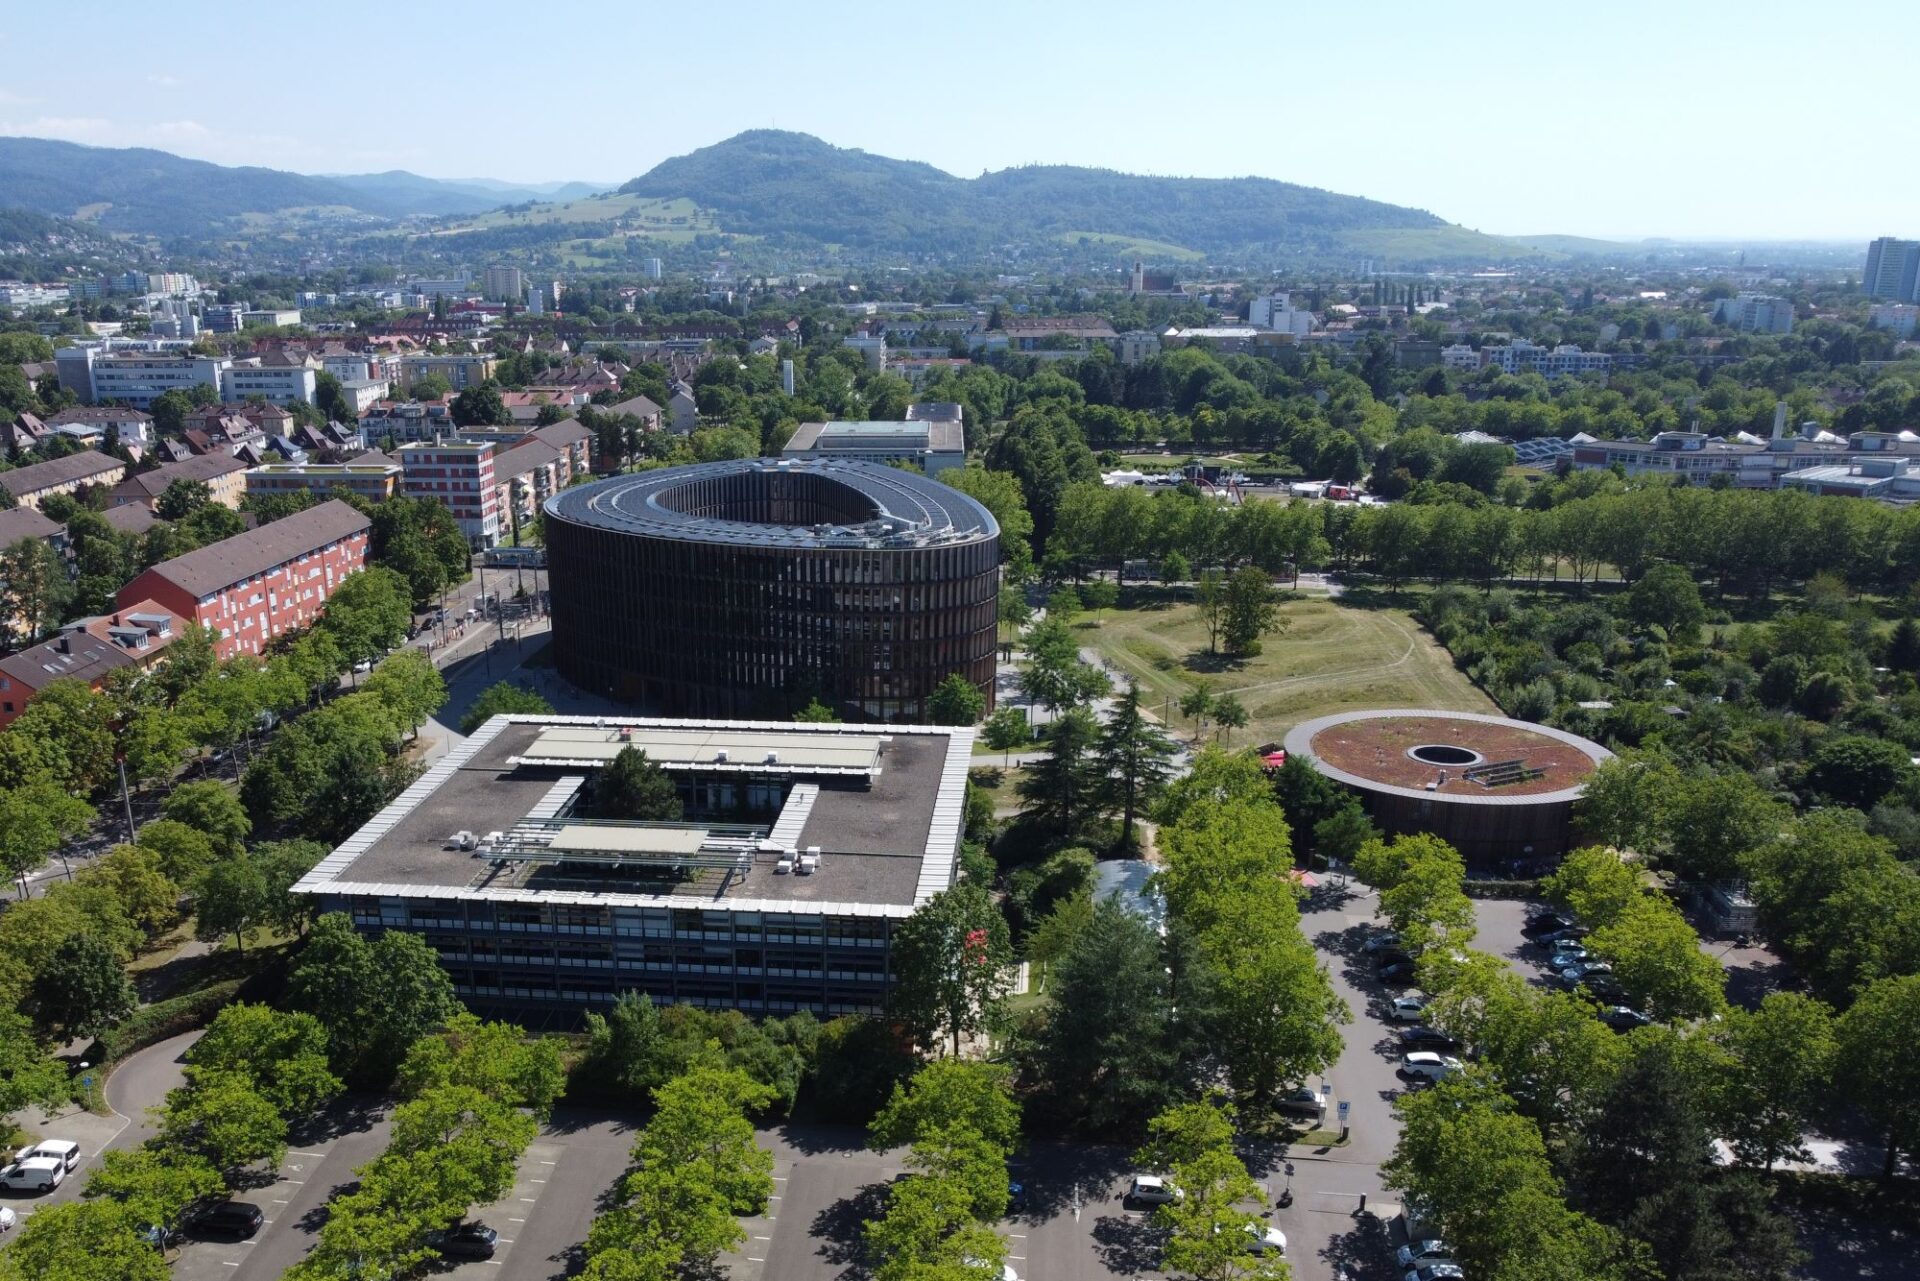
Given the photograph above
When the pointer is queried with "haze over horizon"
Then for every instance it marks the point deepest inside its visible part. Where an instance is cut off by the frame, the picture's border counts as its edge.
(1661, 121)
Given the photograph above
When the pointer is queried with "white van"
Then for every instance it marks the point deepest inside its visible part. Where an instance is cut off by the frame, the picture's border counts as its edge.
(35, 1174)
(66, 1151)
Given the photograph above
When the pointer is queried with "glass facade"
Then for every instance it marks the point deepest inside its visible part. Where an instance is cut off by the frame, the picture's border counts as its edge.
(684, 618)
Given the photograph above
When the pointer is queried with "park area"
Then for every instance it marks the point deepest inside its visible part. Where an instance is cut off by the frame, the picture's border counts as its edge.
(1330, 657)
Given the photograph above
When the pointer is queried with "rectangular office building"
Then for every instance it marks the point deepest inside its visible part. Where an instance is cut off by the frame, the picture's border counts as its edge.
(800, 850)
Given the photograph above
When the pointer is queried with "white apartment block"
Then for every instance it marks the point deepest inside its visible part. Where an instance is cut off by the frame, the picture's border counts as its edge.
(135, 378)
(1276, 311)
(1755, 313)
(276, 384)
(1899, 318)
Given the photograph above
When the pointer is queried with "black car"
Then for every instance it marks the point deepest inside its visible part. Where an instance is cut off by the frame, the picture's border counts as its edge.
(236, 1220)
(1572, 934)
(1544, 923)
(1394, 971)
(1422, 1037)
(1303, 1101)
(1622, 1018)
(464, 1241)
(1604, 988)
(1391, 955)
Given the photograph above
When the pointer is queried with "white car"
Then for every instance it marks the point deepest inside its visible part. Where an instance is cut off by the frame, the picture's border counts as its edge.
(1380, 942)
(8, 1219)
(1151, 1189)
(35, 1174)
(1420, 1254)
(1425, 1065)
(1407, 1009)
(1437, 1272)
(66, 1151)
(1269, 1240)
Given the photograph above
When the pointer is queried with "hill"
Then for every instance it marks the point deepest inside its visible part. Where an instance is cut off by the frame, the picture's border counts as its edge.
(780, 185)
(154, 192)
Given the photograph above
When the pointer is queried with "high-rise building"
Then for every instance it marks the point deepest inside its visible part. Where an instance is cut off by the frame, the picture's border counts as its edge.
(504, 284)
(655, 269)
(1893, 270)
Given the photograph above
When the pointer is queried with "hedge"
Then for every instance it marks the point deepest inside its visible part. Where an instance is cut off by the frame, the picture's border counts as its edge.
(151, 1024)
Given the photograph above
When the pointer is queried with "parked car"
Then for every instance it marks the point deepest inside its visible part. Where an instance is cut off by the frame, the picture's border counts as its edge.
(157, 1235)
(237, 1220)
(1420, 1254)
(1407, 1009)
(1395, 972)
(1424, 1065)
(1572, 934)
(35, 1174)
(1151, 1189)
(1577, 973)
(464, 1241)
(1019, 1189)
(1304, 1101)
(1568, 954)
(1380, 941)
(1624, 1018)
(1541, 924)
(65, 1150)
(8, 1219)
(1603, 988)
(1267, 1240)
(1422, 1037)
(1437, 1272)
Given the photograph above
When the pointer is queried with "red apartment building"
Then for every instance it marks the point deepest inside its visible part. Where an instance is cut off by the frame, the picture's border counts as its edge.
(461, 475)
(252, 587)
(90, 649)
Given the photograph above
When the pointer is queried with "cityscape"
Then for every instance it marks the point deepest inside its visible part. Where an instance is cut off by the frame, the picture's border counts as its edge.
(881, 699)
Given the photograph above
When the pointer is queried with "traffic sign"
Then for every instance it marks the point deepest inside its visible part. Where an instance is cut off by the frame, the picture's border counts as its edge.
(1344, 1105)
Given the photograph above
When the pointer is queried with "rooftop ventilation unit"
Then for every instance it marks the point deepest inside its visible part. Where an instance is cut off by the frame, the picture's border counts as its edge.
(773, 758)
(810, 861)
(720, 756)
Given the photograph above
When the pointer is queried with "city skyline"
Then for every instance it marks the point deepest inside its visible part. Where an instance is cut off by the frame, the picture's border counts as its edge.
(1635, 128)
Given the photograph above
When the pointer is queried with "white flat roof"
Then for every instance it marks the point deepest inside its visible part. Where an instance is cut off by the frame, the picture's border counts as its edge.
(691, 748)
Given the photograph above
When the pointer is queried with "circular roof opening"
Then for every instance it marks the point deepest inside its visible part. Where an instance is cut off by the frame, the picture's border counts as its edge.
(1444, 754)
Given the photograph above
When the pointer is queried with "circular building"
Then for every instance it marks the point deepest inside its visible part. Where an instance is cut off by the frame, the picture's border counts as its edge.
(748, 588)
(1496, 789)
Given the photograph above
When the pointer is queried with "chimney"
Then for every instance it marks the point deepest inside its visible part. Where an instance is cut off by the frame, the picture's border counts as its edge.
(1779, 419)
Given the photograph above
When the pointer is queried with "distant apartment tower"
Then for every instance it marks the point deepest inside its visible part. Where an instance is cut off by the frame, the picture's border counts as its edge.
(1755, 313)
(461, 372)
(1276, 311)
(459, 474)
(1893, 270)
(505, 284)
(655, 269)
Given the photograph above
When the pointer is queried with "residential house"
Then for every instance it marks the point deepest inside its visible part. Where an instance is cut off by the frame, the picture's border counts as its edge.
(254, 586)
(222, 474)
(683, 410)
(33, 484)
(526, 476)
(96, 424)
(88, 649)
(575, 444)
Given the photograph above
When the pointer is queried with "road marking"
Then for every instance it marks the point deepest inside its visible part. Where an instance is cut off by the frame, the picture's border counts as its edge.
(754, 1259)
(779, 1178)
(506, 1240)
(302, 1181)
(306, 1154)
(773, 1198)
(536, 1180)
(230, 1263)
(529, 1199)
(763, 1238)
(516, 1220)
(546, 1163)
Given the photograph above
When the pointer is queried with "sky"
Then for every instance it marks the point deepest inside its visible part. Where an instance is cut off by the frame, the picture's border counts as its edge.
(1692, 119)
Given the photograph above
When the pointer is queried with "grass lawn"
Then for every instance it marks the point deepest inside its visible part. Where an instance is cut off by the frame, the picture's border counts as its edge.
(1330, 658)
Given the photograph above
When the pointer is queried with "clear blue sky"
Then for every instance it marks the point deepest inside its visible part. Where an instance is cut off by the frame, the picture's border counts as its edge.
(1684, 118)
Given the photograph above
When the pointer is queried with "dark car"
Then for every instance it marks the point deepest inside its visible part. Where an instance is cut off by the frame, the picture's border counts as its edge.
(1422, 1037)
(1391, 955)
(1622, 1018)
(1019, 1190)
(1605, 989)
(1544, 923)
(1572, 934)
(1394, 971)
(236, 1220)
(1304, 1101)
(464, 1241)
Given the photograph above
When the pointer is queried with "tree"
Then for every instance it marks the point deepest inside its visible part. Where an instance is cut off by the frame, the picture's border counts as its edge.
(502, 699)
(1197, 704)
(64, 737)
(697, 1168)
(955, 701)
(81, 988)
(1782, 1059)
(181, 499)
(632, 787)
(1007, 729)
(1875, 1063)
(1667, 597)
(36, 820)
(375, 999)
(1064, 603)
(34, 590)
(429, 387)
(816, 713)
(1062, 789)
(496, 1059)
(221, 1118)
(1136, 756)
(83, 1241)
(411, 686)
(1274, 1014)
(1210, 1232)
(1656, 958)
(1229, 713)
(1210, 594)
(1054, 676)
(282, 1056)
(1626, 799)
(1105, 1054)
(184, 852)
(28, 1074)
(155, 1184)
(1249, 611)
(622, 1045)
(480, 406)
(943, 1095)
(952, 965)
(230, 898)
(282, 864)
(1856, 770)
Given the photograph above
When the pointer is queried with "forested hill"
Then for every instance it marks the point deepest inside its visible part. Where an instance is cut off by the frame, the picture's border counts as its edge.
(772, 183)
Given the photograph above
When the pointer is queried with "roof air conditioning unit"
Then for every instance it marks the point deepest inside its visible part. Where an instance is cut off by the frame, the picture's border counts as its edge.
(784, 864)
(773, 758)
(720, 756)
(810, 861)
